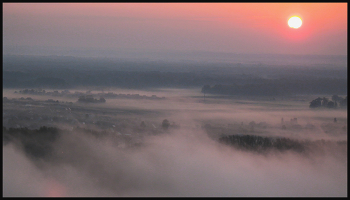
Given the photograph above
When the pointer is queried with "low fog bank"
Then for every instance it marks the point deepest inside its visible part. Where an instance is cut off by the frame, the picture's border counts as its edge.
(178, 162)
(122, 148)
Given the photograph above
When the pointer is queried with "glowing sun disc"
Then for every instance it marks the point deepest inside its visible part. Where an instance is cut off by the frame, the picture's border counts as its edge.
(294, 22)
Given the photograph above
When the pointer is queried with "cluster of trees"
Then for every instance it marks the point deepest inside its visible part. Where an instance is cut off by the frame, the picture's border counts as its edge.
(262, 144)
(39, 143)
(31, 91)
(41, 92)
(325, 102)
(36, 143)
(265, 145)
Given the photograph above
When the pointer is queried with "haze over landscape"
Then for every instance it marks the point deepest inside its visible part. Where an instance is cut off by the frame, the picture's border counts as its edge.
(174, 100)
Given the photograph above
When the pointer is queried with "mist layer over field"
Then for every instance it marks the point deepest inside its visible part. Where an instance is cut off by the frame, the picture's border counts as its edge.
(182, 164)
(188, 160)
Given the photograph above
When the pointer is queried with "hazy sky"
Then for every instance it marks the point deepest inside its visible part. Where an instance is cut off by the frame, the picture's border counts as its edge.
(184, 27)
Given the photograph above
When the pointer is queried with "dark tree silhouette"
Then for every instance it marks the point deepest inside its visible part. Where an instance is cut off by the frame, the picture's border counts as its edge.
(337, 98)
(316, 103)
(331, 104)
(325, 101)
(102, 100)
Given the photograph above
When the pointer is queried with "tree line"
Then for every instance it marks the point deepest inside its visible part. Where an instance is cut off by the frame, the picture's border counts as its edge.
(326, 103)
(264, 145)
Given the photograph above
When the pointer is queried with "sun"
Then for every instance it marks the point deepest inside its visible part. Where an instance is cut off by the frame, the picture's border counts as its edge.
(295, 22)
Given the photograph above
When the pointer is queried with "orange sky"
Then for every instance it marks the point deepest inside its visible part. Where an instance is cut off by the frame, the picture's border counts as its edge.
(220, 27)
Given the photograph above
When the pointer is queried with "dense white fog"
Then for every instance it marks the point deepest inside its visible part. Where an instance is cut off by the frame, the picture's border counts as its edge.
(180, 164)
(187, 162)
